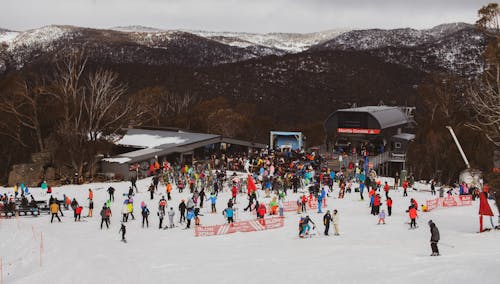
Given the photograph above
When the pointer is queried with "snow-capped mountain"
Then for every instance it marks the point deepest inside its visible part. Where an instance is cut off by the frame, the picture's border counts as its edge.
(289, 42)
(453, 47)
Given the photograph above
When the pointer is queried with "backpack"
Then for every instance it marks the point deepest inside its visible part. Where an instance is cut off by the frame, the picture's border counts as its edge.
(108, 213)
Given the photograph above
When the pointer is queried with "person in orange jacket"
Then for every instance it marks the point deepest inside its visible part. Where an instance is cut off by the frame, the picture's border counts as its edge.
(169, 190)
(412, 212)
(91, 194)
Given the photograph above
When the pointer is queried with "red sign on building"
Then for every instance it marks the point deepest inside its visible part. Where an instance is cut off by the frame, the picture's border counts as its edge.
(358, 131)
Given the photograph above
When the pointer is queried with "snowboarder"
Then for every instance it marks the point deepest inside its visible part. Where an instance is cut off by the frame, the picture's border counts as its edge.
(123, 230)
(434, 238)
(327, 219)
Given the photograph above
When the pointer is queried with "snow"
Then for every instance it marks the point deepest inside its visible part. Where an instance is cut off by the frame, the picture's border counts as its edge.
(80, 252)
(7, 37)
(149, 141)
(117, 160)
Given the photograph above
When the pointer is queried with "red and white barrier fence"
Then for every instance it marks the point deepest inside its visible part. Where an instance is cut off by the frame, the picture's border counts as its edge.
(451, 201)
(243, 226)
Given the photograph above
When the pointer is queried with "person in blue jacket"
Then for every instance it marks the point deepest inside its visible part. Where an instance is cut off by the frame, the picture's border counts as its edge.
(229, 212)
(189, 217)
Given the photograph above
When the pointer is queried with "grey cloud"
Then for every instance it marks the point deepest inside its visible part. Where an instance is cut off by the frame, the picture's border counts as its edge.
(238, 15)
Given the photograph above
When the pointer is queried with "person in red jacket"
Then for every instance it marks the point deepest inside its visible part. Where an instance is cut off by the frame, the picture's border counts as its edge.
(78, 213)
(386, 189)
(376, 205)
(234, 192)
(303, 204)
(261, 210)
(405, 187)
(389, 206)
(414, 203)
(412, 212)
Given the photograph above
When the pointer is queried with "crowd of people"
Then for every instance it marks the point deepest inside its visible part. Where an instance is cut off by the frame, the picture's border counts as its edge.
(268, 176)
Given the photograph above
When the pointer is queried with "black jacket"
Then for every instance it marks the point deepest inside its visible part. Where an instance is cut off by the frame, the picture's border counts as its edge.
(327, 218)
(434, 232)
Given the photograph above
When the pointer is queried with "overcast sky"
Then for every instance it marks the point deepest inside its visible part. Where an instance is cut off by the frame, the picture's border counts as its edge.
(238, 15)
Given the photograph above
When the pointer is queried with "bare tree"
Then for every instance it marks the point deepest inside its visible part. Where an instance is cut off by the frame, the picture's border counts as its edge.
(484, 94)
(22, 104)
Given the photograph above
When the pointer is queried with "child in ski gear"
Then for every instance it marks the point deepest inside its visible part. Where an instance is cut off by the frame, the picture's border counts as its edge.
(78, 213)
(335, 221)
(412, 212)
(327, 219)
(381, 217)
(434, 238)
(229, 214)
(261, 212)
(123, 230)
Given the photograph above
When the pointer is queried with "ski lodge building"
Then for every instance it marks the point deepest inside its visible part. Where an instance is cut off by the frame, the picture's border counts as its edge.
(139, 147)
(383, 131)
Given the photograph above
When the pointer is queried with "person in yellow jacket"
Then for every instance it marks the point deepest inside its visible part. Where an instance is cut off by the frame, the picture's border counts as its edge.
(54, 209)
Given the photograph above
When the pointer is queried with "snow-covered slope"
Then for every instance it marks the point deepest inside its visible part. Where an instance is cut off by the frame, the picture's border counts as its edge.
(289, 42)
(79, 252)
(455, 48)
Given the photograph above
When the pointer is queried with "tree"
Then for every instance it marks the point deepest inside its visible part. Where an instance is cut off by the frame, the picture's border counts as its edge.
(22, 104)
(484, 94)
(93, 110)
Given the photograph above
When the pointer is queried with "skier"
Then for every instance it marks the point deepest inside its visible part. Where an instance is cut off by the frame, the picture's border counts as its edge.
(182, 211)
(125, 211)
(130, 206)
(78, 213)
(386, 189)
(381, 217)
(405, 187)
(327, 219)
(123, 230)
(189, 217)
(133, 181)
(111, 192)
(281, 207)
(54, 209)
(161, 214)
(229, 214)
(389, 206)
(145, 215)
(261, 212)
(162, 204)
(91, 208)
(171, 215)
(169, 190)
(151, 191)
(213, 201)
(433, 187)
(74, 205)
(434, 238)
(412, 212)
(335, 221)
(306, 227)
(105, 214)
(202, 195)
